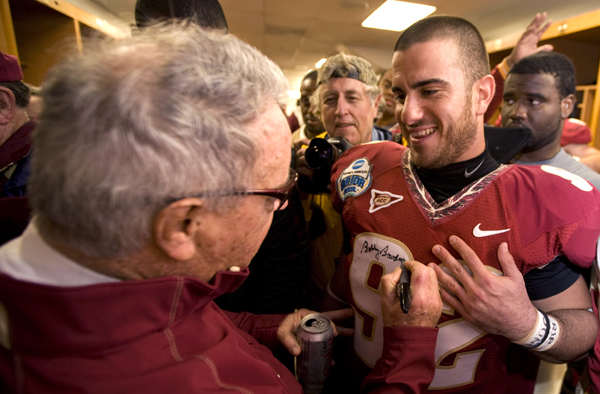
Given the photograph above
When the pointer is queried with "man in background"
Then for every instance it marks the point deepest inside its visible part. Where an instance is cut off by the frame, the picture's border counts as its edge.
(15, 128)
(539, 93)
(346, 100)
(388, 115)
(312, 126)
(576, 135)
(15, 148)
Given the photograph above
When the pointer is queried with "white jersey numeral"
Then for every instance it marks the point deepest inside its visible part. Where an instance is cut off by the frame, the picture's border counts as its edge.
(374, 255)
(576, 180)
(455, 335)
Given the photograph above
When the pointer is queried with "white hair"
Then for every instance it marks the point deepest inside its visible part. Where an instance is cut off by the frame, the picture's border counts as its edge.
(133, 125)
(340, 63)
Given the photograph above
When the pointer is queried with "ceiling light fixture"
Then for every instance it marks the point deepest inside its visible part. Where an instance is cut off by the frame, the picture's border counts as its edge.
(320, 63)
(353, 4)
(294, 94)
(397, 15)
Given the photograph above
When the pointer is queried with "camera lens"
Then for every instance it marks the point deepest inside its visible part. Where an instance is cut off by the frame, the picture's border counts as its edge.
(319, 154)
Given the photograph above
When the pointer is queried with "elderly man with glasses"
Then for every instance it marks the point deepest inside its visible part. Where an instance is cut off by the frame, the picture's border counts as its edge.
(159, 161)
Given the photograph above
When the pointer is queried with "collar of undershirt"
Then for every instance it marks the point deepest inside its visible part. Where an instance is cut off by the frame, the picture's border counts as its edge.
(443, 183)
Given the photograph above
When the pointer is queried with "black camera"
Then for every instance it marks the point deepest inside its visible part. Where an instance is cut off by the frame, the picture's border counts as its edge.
(320, 156)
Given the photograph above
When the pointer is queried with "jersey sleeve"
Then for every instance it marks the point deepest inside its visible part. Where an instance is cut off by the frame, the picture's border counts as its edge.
(407, 364)
(559, 213)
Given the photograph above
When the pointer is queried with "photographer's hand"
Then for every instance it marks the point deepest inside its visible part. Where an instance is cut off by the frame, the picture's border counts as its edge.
(301, 167)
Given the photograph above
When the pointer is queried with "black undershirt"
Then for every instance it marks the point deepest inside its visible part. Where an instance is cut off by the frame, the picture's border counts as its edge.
(443, 183)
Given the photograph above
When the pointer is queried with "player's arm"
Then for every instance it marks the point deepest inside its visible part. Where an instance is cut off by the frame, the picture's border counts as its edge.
(580, 150)
(500, 305)
(591, 158)
(578, 325)
(335, 297)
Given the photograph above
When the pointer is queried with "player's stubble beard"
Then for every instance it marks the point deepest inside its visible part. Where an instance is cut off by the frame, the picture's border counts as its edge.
(457, 139)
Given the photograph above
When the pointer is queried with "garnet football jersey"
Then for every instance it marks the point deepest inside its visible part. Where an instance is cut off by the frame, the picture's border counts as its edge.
(539, 212)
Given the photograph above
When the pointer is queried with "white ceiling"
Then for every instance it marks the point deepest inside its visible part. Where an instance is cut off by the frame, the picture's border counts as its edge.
(297, 33)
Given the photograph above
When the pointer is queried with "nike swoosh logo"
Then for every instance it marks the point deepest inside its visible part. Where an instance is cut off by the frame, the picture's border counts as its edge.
(469, 173)
(482, 233)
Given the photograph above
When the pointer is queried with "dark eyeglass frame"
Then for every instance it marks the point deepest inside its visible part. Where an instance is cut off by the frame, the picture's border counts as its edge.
(281, 193)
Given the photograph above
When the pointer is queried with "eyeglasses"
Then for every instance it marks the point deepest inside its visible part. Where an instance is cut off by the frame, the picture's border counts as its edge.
(281, 194)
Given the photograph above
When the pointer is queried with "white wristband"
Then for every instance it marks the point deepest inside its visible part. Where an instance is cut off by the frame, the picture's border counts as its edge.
(543, 335)
(552, 336)
(529, 340)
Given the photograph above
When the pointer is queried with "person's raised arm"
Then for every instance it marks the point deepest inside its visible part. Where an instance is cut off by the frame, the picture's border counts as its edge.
(527, 45)
(529, 40)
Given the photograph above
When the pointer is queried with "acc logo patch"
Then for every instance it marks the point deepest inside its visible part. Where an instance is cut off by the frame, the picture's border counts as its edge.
(355, 179)
(576, 180)
(380, 200)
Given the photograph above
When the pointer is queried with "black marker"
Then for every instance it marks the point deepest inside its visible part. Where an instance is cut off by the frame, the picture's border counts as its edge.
(403, 289)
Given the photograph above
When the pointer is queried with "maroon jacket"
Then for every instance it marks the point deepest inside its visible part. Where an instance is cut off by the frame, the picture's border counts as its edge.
(160, 336)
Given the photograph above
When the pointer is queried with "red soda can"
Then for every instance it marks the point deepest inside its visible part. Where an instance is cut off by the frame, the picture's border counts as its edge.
(315, 336)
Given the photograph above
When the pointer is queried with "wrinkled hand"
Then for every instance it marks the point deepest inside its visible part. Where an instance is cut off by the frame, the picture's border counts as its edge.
(527, 44)
(286, 333)
(497, 304)
(425, 303)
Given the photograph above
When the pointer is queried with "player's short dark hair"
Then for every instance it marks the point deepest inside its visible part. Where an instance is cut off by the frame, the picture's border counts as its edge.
(474, 57)
(207, 14)
(552, 63)
(21, 92)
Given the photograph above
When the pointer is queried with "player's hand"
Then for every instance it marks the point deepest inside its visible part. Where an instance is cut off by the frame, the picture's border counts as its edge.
(425, 303)
(497, 304)
(527, 44)
(286, 333)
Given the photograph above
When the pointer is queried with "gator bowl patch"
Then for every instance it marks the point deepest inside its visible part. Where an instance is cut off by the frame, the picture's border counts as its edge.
(355, 179)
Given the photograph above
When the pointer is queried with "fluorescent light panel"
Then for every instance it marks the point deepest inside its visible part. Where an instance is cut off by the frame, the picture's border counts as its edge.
(397, 15)
(294, 94)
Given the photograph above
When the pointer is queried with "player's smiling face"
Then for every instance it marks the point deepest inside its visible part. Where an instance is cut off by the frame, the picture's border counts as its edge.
(434, 108)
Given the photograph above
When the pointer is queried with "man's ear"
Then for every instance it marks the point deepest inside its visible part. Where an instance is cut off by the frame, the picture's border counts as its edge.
(176, 226)
(567, 105)
(483, 94)
(8, 105)
(375, 107)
